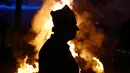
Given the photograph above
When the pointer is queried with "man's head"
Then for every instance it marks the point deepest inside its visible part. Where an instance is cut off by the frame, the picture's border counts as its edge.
(64, 23)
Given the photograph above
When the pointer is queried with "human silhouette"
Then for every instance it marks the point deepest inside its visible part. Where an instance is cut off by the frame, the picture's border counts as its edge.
(55, 56)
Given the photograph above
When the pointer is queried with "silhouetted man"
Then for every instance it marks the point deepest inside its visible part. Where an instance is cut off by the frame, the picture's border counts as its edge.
(55, 56)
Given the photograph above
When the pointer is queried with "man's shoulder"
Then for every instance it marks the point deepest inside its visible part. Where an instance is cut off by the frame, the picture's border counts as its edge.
(54, 42)
(50, 41)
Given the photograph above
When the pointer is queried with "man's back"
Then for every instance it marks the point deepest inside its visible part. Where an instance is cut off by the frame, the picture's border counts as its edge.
(55, 57)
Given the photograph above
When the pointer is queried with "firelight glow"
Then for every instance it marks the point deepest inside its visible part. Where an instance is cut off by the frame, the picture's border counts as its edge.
(27, 68)
(24, 66)
(72, 47)
(46, 31)
(99, 66)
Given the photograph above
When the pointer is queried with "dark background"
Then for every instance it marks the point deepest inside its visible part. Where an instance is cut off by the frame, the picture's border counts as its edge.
(115, 22)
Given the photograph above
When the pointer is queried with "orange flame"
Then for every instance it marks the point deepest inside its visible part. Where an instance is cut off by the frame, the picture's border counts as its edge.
(98, 67)
(45, 27)
(27, 68)
(43, 22)
(72, 47)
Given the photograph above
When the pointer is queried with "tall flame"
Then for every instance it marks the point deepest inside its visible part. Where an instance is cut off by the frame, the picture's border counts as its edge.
(97, 66)
(45, 31)
(42, 24)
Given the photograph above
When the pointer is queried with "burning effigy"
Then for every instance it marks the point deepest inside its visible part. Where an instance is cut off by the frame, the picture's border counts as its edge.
(85, 47)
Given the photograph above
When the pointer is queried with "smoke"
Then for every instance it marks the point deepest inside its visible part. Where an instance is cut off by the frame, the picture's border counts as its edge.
(41, 16)
(38, 33)
(89, 39)
(84, 6)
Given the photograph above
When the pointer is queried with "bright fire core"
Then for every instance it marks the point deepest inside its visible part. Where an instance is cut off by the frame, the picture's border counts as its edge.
(27, 68)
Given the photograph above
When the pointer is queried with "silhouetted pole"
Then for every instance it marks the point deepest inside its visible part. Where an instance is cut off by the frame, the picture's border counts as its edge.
(17, 15)
(17, 23)
(17, 20)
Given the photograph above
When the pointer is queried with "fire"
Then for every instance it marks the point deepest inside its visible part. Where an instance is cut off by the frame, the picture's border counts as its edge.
(98, 66)
(43, 22)
(27, 68)
(47, 26)
(72, 47)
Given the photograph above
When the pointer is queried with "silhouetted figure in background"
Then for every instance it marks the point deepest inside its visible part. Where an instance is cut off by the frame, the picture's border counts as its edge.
(55, 56)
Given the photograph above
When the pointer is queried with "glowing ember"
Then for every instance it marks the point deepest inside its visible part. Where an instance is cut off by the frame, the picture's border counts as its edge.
(27, 68)
(98, 66)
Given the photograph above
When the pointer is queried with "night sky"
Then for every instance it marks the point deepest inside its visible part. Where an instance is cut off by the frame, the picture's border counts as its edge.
(115, 11)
